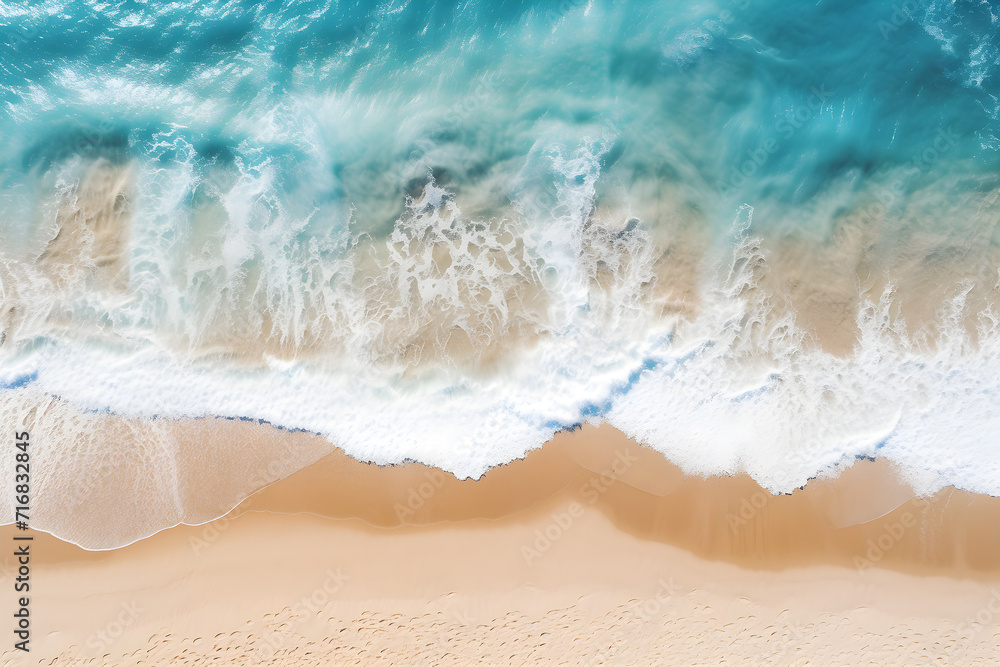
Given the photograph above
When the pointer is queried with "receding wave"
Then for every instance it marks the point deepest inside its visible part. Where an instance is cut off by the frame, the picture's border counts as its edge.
(411, 259)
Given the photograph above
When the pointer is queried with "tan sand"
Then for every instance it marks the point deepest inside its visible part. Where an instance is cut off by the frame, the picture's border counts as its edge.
(542, 561)
(823, 285)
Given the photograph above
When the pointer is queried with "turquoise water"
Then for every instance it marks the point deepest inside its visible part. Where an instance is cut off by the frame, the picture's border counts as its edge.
(757, 236)
(353, 105)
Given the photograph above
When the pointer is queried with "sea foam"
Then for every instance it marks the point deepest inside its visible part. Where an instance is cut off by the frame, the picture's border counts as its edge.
(445, 232)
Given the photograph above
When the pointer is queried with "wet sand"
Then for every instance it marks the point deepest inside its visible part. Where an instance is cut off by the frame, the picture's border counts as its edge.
(591, 550)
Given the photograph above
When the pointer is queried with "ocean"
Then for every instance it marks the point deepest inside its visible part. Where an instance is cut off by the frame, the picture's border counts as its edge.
(755, 239)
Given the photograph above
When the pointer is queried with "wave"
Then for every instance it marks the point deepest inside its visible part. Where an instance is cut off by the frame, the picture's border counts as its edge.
(446, 241)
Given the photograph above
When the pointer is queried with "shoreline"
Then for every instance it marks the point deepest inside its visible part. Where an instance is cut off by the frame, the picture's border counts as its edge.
(591, 549)
(633, 485)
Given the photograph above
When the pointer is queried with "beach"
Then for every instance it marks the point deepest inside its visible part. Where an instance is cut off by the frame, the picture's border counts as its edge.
(591, 550)
(481, 332)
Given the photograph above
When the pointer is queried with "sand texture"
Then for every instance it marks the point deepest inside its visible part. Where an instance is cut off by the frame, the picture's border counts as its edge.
(542, 561)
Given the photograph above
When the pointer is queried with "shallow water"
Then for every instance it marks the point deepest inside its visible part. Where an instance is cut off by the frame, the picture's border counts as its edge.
(754, 237)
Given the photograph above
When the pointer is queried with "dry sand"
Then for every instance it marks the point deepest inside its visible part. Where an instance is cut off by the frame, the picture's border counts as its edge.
(544, 561)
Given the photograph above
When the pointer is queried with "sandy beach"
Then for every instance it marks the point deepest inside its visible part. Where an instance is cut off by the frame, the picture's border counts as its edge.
(572, 332)
(591, 550)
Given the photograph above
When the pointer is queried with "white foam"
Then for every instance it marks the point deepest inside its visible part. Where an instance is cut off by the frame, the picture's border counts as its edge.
(736, 388)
